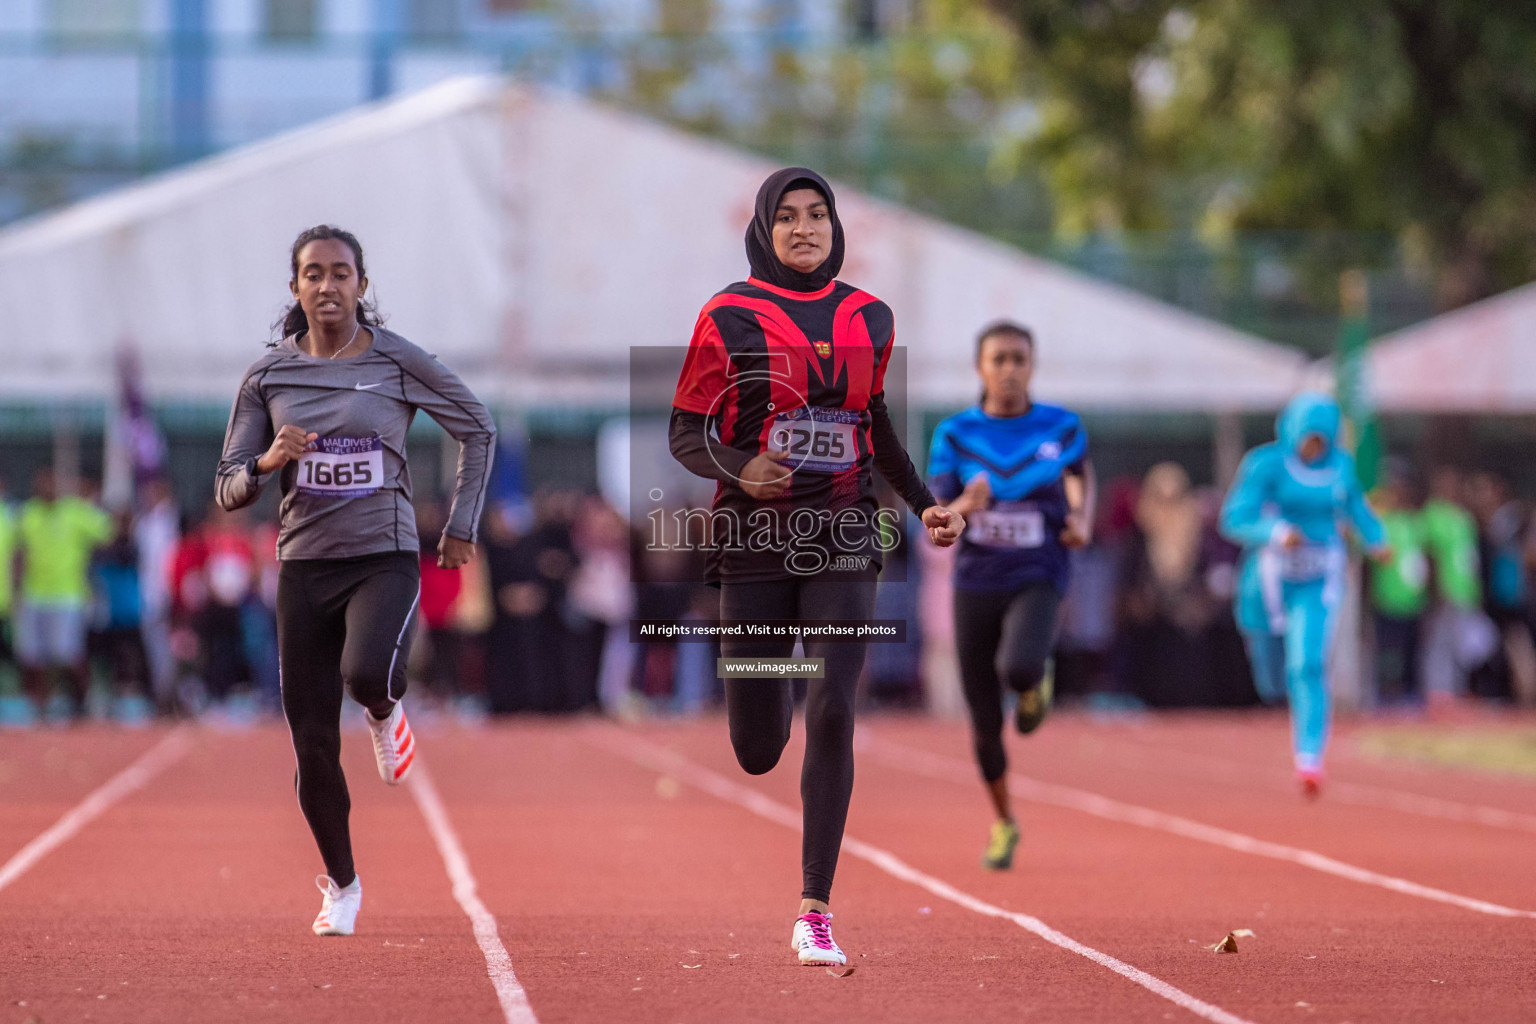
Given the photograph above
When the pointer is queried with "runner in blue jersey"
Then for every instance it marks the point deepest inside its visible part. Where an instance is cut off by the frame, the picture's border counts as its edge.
(1018, 471)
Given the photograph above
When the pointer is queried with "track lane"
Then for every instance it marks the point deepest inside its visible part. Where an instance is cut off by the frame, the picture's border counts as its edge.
(192, 899)
(44, 773)
(1465, 858)
(1338, 940)
(600, 873)
(642, 923)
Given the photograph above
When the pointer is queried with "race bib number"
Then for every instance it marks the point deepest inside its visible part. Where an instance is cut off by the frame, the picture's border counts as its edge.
(342, 467)
(998, 528)
(817, 440)
(1308, 562)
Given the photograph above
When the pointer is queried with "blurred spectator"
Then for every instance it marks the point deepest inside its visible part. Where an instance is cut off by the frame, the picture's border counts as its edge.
(601, 601)
(56, 535)
(1087, 635)
(115, 637)
(1503, 529)
(530, 645)
(1230, 674)
(894, 670)
(1167, 608)
(438, 658)
(215, 603)
(470, 618)
(258, 620)
(1399, 589)
(229, 574)
(7, 575)
(156, 531)
(666, 588)
(1458, 636)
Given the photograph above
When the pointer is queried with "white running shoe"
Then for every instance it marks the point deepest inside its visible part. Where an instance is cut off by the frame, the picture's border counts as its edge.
(338, 909)
(394, 746)
(812, 940)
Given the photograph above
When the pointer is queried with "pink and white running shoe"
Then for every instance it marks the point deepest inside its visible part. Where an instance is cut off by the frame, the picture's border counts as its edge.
(394, 745)
(338, 907)
(812, 941)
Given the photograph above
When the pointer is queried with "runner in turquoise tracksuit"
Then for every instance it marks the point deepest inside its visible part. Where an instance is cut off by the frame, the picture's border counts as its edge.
(1288, 508)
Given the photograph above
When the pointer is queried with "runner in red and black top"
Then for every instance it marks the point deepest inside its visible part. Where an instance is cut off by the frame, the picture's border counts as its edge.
(782, 401)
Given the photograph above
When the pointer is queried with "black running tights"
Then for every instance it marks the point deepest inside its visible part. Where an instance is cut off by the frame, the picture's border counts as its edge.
(1003, 640)
(341, 623)
(760, 710)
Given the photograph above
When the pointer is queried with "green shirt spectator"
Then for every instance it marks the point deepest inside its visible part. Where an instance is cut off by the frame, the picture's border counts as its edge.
(1450, 533)
(56, 540)
(1400, 586)
(7, 557)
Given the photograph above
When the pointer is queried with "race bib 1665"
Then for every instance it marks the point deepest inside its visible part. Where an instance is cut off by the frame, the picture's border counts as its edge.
(342, 467)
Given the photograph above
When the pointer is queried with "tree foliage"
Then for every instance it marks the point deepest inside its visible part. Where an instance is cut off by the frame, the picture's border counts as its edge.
(1415, 118)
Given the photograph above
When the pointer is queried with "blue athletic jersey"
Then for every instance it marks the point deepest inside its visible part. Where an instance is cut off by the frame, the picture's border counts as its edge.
(1017, 538)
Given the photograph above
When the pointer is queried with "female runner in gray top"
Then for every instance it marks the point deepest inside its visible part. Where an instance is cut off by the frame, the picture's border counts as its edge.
(327, 411)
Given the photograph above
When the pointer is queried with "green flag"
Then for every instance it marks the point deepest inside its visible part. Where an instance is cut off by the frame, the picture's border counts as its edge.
(1353, 390)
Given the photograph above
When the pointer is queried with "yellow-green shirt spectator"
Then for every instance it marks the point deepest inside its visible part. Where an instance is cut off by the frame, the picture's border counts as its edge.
(1400, 586)
(56, 540)
(7, 556)
(1450, 533)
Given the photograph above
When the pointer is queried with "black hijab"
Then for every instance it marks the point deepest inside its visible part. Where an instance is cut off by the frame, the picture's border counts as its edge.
(766, 266)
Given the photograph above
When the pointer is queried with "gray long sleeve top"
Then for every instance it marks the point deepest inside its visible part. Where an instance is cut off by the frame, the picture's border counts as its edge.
(351, 495)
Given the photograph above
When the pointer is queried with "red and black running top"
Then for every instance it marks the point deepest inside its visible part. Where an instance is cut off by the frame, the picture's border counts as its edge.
(769, 368)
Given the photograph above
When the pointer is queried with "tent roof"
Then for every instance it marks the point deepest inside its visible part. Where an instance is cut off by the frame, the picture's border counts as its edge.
(1481, 358)
(530, 239)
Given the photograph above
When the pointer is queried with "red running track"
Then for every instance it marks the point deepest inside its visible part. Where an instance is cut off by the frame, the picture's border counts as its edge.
(638, 875)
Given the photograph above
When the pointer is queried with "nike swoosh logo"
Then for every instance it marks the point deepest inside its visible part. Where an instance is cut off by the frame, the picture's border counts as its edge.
(365, 387)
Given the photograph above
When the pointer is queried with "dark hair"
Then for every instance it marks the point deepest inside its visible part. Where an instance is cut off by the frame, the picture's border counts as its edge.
(293, 319)
(1003, 329)
(1006, 329)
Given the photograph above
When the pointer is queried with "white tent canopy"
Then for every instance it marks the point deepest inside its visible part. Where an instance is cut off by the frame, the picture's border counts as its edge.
(1478, 359)
(530, 239)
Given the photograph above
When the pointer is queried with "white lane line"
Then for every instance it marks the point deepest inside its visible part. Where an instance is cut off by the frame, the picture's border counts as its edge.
(149, 764)
(498, 965)
(921, 762)
(649, 755)
(1216, 768)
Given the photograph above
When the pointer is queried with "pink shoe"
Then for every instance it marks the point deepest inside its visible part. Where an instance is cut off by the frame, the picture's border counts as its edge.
(1311, 781)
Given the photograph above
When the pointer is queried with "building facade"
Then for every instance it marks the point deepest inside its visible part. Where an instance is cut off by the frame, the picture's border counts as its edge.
(95, 92)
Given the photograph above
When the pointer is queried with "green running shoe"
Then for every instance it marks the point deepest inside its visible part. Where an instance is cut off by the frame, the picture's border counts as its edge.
(1033, 704)
(999, 855)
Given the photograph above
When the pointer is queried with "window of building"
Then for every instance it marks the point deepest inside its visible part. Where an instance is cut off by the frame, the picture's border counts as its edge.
(685, 16)
(290, 19)
(433, 19)
(95, 17)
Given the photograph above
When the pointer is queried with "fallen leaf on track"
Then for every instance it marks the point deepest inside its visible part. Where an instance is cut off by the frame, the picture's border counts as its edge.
(846, 972)
(1229, 944)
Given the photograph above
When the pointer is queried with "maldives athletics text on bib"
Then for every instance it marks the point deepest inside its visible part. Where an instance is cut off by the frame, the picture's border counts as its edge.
(818, 440)
(342, 467)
